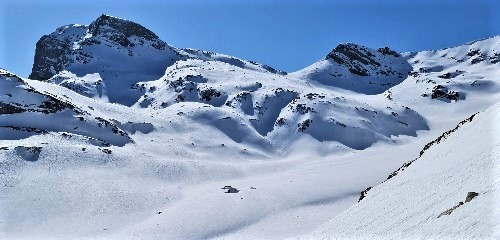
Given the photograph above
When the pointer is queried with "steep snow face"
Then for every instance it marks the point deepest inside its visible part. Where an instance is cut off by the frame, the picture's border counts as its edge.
(430, 198)
(121, 51)
(359, 69)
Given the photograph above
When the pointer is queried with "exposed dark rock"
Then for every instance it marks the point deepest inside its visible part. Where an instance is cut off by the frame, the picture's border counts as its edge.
(338, 123)
(26, 129)
(414, 74)
(53, 105)
(478, 59)
(230, 189)
(449, 211)
(430, 144)
(105, 150)
(30, 154)
(446, 134)
(364, 193)
(470, 196)
(303, 109)
(362, 61)
(119, 30)
(352, 56)
(495, 58)
(195, 78)
(304, 125)
(476, 56)
(101, 122)
(450, 75)
(441, 138)
(272, 70)
(6, 108)
(239, 98)
(441, 91)
(388, 51)
(312, 96)
(473, 52)
(280, 122)
(50, 57)
(208, 94)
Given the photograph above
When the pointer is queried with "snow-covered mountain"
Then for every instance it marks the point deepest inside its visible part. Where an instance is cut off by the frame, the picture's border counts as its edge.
(117, 134)
(121, 52)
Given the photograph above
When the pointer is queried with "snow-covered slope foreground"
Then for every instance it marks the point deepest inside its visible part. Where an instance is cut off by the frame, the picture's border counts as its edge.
(118, 135)
(429, 198)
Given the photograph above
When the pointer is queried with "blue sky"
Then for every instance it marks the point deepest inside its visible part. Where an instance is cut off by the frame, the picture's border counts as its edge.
(288, 35)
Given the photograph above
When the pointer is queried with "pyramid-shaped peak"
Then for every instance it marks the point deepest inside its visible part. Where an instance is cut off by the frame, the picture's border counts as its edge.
(106, 23)
(359, 52)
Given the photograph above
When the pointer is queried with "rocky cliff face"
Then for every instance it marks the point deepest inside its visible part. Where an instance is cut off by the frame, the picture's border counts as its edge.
(53, 51)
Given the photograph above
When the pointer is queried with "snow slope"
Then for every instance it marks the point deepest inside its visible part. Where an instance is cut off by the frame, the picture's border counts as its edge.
(27, 111)
(409, 205)
(121, 136)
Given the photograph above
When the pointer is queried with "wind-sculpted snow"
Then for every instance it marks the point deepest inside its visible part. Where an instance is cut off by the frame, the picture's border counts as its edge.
(356, 127)
(277, 107)
(268, 108)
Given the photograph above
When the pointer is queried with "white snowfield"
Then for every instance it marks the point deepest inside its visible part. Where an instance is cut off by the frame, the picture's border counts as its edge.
(120, 136)
(409, 205)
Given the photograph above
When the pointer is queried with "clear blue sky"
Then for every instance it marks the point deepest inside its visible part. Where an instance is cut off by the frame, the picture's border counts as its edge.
(288, 35)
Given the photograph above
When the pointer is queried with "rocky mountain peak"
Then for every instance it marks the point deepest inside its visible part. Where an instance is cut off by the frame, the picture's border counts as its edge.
(359, 59)
(347, 53)
(120, 29)
(74, 46)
